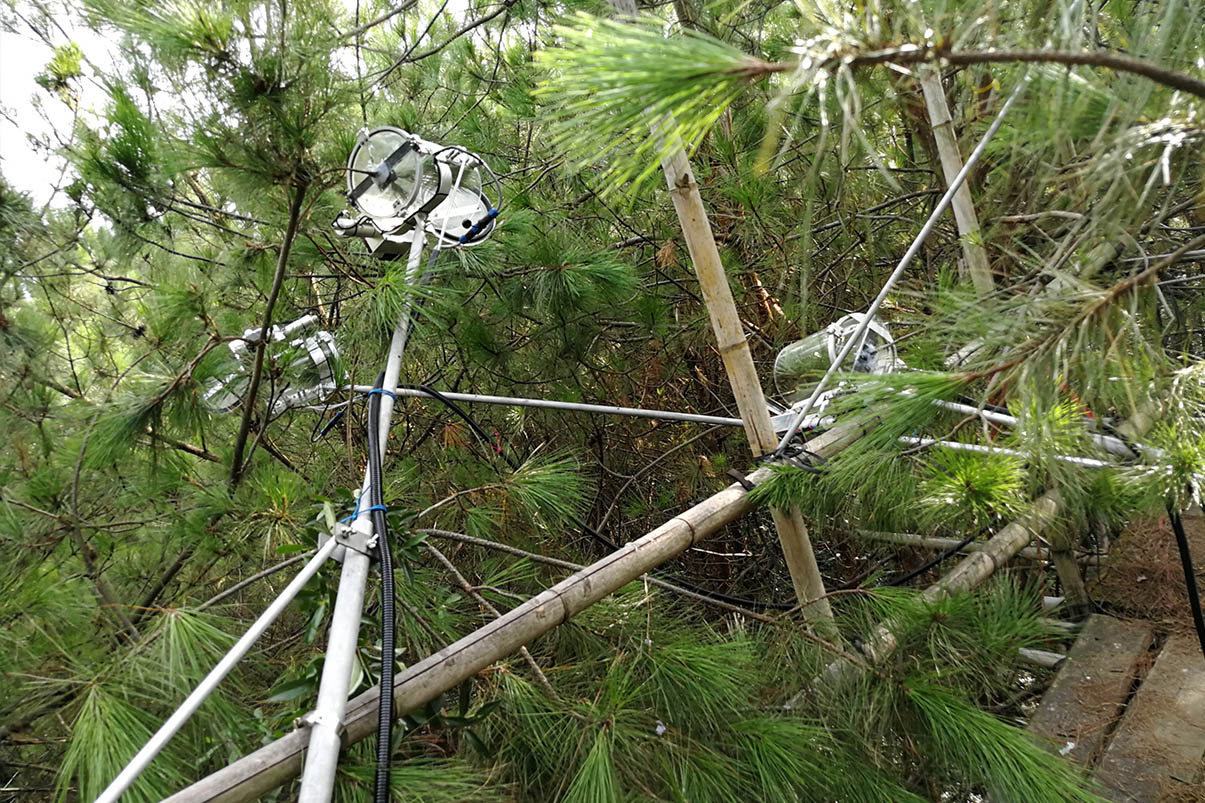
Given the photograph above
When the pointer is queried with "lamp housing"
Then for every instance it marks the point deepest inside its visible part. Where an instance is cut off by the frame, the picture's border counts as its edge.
(308, 366)
(398, 181)
(803, 362)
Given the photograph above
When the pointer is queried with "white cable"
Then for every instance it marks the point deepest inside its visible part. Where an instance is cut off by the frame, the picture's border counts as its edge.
(860, 332)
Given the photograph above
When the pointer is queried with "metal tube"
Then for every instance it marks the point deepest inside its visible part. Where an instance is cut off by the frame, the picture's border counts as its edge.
(322, 756)
(325, 721)
(194, 700)
(856, 337)
(1088, 462)
(666, 415)
(1107, 442)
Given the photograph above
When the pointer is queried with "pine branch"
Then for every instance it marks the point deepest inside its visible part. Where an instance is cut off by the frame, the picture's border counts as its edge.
(467, 587)
(239, 586)
(755, 68)
(564, 564)
(282, 259)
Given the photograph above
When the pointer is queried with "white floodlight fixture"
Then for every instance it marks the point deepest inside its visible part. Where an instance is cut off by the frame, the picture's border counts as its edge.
(806, 360)
(398, 181)
(310, 374)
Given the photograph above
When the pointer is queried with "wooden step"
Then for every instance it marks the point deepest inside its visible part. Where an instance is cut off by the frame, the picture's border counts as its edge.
(1090, 690)
(1159, 744)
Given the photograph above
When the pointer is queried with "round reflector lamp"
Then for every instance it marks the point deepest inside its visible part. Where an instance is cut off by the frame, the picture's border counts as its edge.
(392, 176)
(307, 368)
(806, 360)
(398, 181)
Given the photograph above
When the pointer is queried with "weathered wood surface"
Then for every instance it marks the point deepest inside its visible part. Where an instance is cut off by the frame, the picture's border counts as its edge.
(742, 373)
(1156, 753)
(1090, 691)
(951, 164)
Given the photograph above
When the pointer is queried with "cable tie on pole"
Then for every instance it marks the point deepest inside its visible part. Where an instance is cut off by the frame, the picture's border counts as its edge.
(377, 507)
(388, 393)
(740, 479)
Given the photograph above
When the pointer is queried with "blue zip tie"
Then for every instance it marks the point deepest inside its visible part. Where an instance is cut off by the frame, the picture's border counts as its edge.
(355, 512)
(388, 393)
(376, 507)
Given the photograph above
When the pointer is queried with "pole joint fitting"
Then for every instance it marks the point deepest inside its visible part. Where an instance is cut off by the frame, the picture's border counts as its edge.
(351, 537)
(317, 719)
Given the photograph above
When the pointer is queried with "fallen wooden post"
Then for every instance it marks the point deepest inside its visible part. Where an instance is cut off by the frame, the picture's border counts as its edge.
(939, 543)
(977, 567)
(275, 763)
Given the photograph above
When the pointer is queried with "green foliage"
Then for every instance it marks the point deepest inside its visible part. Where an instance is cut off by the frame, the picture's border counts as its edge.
(61, 70)
(968, 490)
(118, 299)
(1002, 757)
(107, 732)
(614, 81)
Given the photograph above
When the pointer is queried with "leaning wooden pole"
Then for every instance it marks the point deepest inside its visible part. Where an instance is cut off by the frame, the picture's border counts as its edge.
(973, 570)
(742, 374)
(734, 351)
(942, 123)
(274, 764)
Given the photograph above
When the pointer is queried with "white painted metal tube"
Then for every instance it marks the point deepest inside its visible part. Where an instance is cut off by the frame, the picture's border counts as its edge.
(326, 720)
(322, 757)
(577, 407)
(855, 339)
(1107, 442)
(168, 729)
(1088, 462)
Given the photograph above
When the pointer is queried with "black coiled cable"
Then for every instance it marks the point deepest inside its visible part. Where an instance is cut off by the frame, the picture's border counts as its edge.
(1190, 577)
(388, 623)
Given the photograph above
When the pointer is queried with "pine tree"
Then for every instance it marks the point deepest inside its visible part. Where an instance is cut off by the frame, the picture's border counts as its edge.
(197, 203)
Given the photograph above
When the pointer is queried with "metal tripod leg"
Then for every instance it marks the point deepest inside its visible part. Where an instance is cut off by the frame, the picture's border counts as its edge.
(173, 724)
(326, 721)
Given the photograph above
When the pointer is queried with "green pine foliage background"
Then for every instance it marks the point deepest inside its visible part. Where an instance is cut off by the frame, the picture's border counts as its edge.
(128, 509)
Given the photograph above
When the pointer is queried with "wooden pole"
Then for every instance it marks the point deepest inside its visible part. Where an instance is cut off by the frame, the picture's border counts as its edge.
(938, 543)
(272, 765)
(977, 567)
(742, 374)
(738, 362)
(951, 164)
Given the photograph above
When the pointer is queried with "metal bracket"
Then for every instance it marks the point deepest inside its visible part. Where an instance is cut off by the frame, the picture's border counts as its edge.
(315, 719)
(350, 538)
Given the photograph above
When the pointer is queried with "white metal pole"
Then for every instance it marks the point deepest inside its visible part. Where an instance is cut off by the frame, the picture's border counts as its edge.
(168, 729)
(577, 407)
(1088, 462)
(855, 339)
(1107, 442)
(325, 721)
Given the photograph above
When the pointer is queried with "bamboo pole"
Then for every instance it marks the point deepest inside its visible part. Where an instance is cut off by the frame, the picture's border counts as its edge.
(977, 567)
(951, 164)
(738, 362)
(939, 543)
(274, 764)
(742, 374)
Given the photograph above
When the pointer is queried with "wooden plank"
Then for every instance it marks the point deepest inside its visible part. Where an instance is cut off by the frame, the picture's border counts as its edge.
(1090, 691)
(1160, 742)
